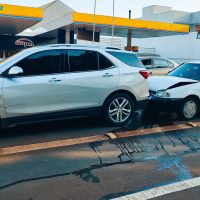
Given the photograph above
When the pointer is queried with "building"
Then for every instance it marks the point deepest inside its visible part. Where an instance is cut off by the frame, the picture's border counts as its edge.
(56, 22)
(181, 48)
(13, 20)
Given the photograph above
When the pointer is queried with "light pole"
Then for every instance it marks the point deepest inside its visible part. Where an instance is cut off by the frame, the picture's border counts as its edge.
(113, 21)
(129, 34)
(94, 21)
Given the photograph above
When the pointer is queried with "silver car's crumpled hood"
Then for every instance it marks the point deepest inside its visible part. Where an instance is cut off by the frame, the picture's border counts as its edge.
(167, 82)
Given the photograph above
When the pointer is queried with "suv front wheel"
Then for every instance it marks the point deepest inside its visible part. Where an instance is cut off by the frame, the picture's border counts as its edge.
(119, 109)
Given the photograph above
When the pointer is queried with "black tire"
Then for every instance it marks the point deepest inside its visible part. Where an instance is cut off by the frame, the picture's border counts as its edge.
(108, 107)
(192, 112)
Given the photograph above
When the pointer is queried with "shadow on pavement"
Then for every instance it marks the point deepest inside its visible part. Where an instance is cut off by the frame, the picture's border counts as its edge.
(76, 128)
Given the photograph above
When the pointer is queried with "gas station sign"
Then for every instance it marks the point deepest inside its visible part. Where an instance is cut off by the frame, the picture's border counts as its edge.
(24, 42)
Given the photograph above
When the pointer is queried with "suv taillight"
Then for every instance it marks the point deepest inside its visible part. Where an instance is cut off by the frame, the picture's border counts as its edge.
(144, 73)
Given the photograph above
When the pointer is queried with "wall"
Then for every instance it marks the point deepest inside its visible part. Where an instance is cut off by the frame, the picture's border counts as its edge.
(179, 47)
(185, 47)
(163, 14)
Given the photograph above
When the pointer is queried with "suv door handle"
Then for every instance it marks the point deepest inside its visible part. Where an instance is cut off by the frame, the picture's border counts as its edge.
(53, 80)
(107, 75)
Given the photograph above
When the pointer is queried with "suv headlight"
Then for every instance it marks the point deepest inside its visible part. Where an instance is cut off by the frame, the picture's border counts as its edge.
(162, 94)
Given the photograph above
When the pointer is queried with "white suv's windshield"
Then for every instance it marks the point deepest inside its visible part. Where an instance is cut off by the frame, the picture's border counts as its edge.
(5, 61)
(130, 59)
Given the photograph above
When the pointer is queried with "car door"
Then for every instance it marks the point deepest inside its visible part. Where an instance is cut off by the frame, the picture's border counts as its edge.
(91, 78)
(39, 89)
(161, 66)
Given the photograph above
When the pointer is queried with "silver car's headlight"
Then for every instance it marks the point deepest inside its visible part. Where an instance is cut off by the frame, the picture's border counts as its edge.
(163, 94)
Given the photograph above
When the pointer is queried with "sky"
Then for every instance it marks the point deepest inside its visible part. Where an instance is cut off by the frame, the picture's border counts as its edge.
(122, 7)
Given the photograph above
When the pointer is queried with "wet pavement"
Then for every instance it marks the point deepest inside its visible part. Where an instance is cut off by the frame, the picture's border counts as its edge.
(101, 170)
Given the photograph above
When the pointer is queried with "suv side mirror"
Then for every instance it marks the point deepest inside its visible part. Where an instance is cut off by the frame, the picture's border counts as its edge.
(15, 71)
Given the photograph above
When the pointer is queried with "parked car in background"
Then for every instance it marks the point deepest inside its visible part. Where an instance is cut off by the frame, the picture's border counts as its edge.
(65, 81)
(158, 66)
(178, 92)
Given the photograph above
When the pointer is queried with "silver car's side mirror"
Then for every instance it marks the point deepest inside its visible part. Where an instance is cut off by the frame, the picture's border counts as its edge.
(15, 71)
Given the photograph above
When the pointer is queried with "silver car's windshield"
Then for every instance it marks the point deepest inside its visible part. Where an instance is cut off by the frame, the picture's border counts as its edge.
(187, 70)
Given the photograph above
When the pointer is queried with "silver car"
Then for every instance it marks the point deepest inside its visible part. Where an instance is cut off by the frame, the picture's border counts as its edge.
(64, 81)
(158, 66)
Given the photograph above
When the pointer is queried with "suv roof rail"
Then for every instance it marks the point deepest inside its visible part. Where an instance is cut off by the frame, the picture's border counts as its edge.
(88, 46)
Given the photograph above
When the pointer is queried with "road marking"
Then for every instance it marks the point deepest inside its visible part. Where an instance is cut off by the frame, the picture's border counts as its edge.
(150, 131)
(163, 190)
(50, 145)
(96, 138)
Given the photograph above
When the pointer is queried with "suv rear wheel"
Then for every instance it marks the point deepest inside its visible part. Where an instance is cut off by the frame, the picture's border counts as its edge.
(119, 109)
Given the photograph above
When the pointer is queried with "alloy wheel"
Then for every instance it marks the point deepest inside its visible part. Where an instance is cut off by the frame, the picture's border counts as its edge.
(120, 110)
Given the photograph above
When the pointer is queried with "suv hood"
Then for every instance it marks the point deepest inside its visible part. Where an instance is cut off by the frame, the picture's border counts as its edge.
(167, 82)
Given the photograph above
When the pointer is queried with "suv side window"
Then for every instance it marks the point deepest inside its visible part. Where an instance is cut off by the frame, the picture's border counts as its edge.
(104, 63)
(130, 59)
(45, 62)
(66, 60)
(82, 60)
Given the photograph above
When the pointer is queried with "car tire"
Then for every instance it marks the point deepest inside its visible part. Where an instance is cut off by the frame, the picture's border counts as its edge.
(118, 109)
(189, 108)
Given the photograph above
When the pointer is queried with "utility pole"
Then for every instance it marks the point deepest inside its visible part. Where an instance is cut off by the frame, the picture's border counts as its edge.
(129, 34)
(94, 22)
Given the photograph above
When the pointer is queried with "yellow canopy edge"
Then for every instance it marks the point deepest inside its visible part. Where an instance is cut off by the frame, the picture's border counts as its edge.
(21, 11)
(131, 23)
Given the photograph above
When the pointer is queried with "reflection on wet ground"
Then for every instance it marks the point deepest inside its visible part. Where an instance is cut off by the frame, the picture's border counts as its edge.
(166, 150)
(150, 120)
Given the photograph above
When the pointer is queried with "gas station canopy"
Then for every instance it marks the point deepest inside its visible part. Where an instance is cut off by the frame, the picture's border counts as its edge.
(15, 19)
(141, 28)
(69, 18)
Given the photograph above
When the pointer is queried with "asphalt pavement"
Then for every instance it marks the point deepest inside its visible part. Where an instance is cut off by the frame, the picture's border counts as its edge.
(98, 170)
(101, 170)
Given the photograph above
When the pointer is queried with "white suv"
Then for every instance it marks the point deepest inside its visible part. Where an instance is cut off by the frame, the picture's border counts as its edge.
(64, 81)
